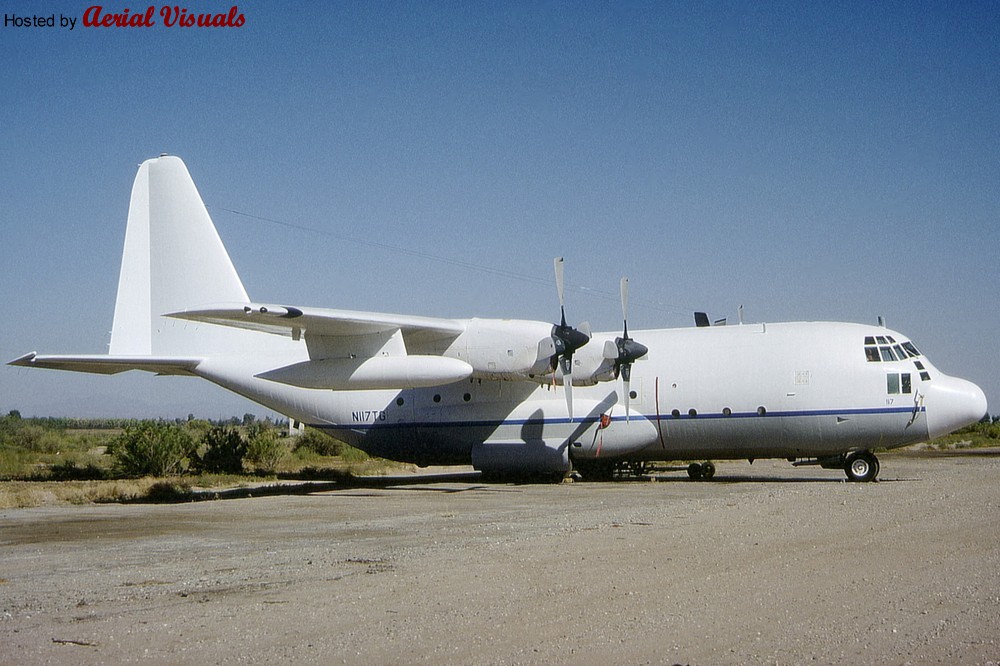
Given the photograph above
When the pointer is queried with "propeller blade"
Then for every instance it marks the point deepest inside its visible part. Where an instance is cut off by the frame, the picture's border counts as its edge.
(626, 386)
(625, 304)
(566, 364)
(626, 350)
(558, 262)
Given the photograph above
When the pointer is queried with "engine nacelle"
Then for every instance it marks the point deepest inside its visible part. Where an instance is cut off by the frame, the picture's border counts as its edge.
(521, 350)
(506, 349)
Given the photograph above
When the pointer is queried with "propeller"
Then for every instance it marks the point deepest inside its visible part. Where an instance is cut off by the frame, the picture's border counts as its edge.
(624, 351)
(566, 340)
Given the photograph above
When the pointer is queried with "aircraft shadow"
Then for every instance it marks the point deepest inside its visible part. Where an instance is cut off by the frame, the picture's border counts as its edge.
(445, 483)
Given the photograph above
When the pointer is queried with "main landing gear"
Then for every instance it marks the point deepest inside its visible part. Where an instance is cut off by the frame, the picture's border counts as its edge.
(701, 471)
(861, 466)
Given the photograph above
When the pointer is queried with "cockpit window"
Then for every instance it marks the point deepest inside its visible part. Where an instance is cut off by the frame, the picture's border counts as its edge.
(888, 350)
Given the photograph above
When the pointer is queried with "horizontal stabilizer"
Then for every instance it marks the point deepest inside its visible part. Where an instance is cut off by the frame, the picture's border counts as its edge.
(103, 364)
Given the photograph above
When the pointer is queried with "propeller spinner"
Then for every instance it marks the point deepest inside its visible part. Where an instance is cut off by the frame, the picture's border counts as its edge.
(566, 340)
(624, 351)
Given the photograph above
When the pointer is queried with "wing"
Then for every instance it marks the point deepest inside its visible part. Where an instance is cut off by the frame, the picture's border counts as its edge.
(349, 349)
(320, 322)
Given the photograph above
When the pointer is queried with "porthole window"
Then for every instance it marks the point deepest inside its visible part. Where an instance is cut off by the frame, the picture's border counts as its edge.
(633, 395)
(399, 402)
(726, 411)
(437, 397)
(676, 414)
(467, 397)
(692, 412)
(761, 411)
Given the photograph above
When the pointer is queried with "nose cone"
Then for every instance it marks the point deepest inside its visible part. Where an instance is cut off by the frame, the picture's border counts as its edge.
(951, 404)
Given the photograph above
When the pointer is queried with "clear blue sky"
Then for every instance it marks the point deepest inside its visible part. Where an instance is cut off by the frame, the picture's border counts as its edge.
(811, 161)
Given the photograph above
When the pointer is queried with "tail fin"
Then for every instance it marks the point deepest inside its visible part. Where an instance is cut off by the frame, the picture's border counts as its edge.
(173, 260)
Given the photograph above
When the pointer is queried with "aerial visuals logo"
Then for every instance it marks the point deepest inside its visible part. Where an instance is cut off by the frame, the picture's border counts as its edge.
(172, 16)
(96, 16)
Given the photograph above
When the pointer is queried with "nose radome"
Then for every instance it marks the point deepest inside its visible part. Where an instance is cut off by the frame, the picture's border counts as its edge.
(951, 404)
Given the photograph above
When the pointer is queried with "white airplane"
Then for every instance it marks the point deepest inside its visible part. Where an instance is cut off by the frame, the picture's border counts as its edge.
(481, 391)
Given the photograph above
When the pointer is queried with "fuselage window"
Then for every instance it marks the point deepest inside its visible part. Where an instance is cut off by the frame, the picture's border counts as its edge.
(924, 375)
(871, 353)
(908, 346)
(920, 366)
(887, 354)
(896, 383)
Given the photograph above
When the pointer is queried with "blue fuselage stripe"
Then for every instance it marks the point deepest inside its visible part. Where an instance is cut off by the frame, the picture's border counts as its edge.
(494, 423)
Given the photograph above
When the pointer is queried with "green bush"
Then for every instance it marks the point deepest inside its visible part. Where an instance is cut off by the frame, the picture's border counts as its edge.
(151, 449)
(265, 451)
(318, 442)
(225, 449)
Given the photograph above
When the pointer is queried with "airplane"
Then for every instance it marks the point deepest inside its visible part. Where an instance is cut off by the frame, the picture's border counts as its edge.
(482, 392)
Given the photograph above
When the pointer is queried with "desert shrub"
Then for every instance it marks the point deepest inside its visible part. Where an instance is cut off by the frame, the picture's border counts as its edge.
(318, 442)
(225, 449)
(169, 491)
(31, 437)
(151, 449)
(265, 451)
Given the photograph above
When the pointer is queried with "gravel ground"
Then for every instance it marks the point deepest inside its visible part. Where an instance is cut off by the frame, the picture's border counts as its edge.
(765, 564)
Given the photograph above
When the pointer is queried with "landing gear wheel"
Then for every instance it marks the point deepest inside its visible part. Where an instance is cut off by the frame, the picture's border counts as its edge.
(861, 466)
(707, 471)
(695, 471)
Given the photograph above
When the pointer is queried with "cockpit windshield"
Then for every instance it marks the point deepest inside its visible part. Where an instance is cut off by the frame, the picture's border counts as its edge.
(885, 349)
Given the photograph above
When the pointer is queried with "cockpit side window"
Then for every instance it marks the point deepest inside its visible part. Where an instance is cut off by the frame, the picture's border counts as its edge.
(910, 349)
(871, 353)
(887, 354)
(892, 383)
(896, 383)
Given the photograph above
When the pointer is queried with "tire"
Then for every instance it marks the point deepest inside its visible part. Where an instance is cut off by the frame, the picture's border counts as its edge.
(861, 467)
(707, 470)
(695, 471)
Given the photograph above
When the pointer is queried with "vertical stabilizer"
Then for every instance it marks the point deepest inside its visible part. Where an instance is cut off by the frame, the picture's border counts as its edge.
(173, 260)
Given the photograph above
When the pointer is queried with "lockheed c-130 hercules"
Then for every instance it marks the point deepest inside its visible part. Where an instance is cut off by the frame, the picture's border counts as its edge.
(480, 391)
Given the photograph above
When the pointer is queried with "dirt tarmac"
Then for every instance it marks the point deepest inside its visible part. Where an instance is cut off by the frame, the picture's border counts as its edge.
(765, 564)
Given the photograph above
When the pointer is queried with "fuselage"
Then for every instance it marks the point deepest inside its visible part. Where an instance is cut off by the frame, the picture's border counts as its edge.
(796, 390)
